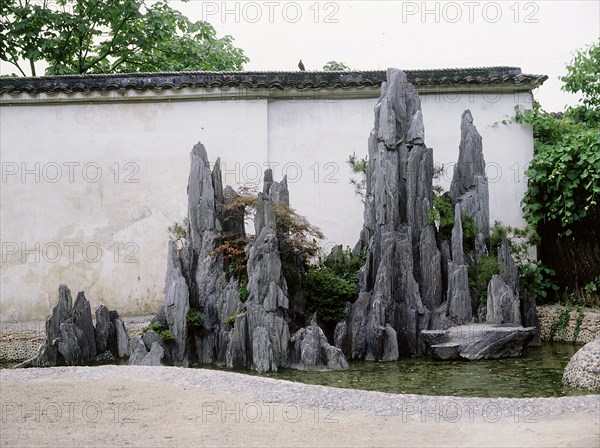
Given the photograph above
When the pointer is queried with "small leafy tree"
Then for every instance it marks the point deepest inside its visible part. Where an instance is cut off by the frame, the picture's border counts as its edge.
(358, 166)
(301, 235)
(583, 77)
(334, 66)
(94, 36)
(331, 283)
(564, 175)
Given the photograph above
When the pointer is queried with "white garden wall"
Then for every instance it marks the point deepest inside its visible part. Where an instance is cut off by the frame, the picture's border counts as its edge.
(90, 184)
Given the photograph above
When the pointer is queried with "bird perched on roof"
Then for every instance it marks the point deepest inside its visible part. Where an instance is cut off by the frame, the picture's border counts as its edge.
(301, 66)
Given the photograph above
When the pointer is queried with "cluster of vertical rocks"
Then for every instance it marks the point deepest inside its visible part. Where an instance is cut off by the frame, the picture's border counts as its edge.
(414, 293)
(250, 335)
(72, 338)
(414, 284)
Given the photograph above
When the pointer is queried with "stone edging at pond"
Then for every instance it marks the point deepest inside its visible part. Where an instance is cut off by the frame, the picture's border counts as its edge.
(550, 315)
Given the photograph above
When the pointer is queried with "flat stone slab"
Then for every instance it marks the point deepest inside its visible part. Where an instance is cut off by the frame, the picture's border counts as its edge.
(445, 351)
(478, 341)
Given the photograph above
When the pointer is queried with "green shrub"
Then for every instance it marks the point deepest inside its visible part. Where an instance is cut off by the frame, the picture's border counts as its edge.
(344, 263)
(564, 176)
(179, 231)
(195, 322)
(442, 215)
(327, 294)
(537, 279)
(194, 319)
(154, 326)
(243, 288)
(534, 276)
(469, 226)
(519, 240)
(469, 231)
(561, 322)
(292, 275)
(244, 293)
(593, 286)
(166, 335)
(333, 66)
(481, 274)
(162, 333)
(359, 167)
(498, 232)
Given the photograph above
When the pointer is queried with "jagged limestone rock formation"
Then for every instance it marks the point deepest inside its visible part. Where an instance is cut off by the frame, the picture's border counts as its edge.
(138, 351)
(527, 308)
(122, 338)
(197, 286)
(413, 281)
(310, 350)
(73, 344)
(469, 184)
(502, 306)
(82, 318)
(267, 303)
(583, 370)
(398, 201)
(431, 269)
(105, 330)
(457, 308)
(150, 338)
(154, 356)
(48, 354)
(71, 337)
(177, 303)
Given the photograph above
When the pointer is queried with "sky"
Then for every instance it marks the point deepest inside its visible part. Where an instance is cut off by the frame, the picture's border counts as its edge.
(540, 37)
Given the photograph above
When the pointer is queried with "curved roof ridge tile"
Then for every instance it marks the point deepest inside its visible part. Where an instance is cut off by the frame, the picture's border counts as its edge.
(263, 79)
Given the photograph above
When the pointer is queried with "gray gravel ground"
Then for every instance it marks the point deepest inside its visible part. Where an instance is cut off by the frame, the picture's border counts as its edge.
(270, 390)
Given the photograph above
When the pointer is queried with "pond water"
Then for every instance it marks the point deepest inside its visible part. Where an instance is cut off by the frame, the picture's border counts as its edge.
(537, 374)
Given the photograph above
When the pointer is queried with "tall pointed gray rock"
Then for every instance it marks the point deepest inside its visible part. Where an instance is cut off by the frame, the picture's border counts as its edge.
(48, 354)
(469, 185)
(397, 204)
(105, 331)
(430, 269)
(502, 305)
(510, 275)
(471, 162)
(176, 303)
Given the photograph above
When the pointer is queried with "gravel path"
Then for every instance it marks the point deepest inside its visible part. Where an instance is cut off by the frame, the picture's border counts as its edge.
(281, 391)
(184, 407)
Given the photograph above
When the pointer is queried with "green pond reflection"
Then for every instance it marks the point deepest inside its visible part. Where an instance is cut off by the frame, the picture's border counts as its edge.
(537, 374)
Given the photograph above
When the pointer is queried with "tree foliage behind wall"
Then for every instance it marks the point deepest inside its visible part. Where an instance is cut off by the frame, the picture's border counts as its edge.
(562, 200)
(98, 36)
